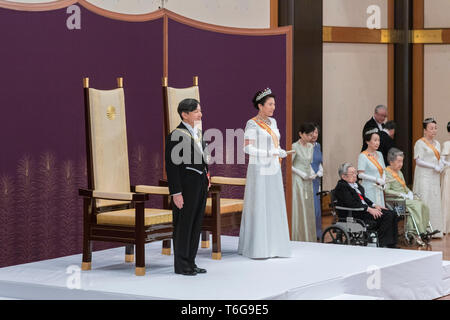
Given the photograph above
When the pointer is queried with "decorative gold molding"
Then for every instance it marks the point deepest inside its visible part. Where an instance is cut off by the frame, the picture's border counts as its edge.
(425, 36)
(357, 35)
(326, 34)
(390, 36)
(383, 36)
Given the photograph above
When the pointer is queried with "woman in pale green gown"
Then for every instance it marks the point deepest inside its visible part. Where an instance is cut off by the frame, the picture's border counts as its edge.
(303, 213)
(396, 186)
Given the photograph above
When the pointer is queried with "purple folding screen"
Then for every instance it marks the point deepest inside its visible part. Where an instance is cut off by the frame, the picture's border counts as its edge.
(42, 138)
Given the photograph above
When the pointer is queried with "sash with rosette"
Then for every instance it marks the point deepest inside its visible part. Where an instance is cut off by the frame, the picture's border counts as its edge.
(375, 162)
(397, 177)
(436, 153)
(269, 130)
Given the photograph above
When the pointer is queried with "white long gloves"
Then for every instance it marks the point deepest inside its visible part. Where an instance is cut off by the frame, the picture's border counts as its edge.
(253, 151)
(320, 171)
(278, 152)
(409, 195)
(304, 175)
(438, 167)
(380, 181)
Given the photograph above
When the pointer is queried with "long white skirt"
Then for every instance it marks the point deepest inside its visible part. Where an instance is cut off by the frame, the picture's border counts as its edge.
(264, 229)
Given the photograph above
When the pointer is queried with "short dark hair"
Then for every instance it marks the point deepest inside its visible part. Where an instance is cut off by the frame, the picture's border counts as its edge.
(316, 126)
(307, 127)
(448, 126)
(187, 105)
(428, 121)
(390, 125)
(262, 100)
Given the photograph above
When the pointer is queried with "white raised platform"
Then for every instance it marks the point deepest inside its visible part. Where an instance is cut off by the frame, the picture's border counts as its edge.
(316, 271)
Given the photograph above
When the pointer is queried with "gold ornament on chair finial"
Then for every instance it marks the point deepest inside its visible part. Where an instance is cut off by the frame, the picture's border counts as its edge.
(111, 113)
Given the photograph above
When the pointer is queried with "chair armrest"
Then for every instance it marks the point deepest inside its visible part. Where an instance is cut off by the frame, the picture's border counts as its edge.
(163, 183)
(228, 181)
(393, 198)
(111, 195)
(152, 189)
(349, 209)
(215, 189)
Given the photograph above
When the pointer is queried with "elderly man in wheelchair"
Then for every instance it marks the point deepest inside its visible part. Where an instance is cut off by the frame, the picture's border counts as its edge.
(359, 221)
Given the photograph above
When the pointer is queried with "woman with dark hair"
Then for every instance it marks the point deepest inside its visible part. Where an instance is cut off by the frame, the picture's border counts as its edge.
(303, 214)
(371, 168)
(445, 183)
(264, 229)
(318, 169)
(427, 184)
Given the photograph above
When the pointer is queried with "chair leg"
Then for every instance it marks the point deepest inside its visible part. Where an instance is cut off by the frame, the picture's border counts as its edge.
(140, 239)
(87, 244)
(129, 253)
(140, 258)
(205, 239)
(86, 265)
(216, 227)
(216, 251)
(166, 247)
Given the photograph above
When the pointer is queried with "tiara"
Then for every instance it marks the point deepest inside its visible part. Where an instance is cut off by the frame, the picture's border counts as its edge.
(428, 120)
(374, 130)
(266, 92)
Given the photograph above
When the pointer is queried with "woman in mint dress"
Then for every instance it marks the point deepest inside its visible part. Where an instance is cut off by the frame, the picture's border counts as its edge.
(371, 169)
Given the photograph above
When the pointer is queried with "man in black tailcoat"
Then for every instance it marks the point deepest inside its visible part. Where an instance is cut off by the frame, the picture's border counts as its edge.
(188, 179)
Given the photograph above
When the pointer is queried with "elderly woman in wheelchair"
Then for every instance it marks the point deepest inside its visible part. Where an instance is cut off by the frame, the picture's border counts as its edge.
(359, 221)
(418, 227)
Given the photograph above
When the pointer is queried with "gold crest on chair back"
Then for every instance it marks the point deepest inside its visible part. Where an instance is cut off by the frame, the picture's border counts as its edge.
(109, 143)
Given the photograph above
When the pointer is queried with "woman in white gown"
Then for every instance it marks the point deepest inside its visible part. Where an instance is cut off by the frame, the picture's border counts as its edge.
(445, 183)
(429, 165)
(264, 229)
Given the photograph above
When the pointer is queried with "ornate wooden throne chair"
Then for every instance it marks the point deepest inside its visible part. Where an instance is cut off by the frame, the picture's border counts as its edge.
(113, 210)
(220, 213)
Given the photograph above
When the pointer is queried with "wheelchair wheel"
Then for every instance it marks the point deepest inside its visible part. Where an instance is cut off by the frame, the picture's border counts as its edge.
(359, 239)
(335, 235)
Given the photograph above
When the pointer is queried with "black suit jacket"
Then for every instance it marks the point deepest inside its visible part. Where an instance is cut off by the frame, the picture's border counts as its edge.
(182, 153)
(386, 143)
(346, 196)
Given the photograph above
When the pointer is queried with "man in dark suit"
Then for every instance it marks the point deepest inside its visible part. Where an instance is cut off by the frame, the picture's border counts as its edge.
(187, 175)
(377, 121)
(387, 140)
(350, 194)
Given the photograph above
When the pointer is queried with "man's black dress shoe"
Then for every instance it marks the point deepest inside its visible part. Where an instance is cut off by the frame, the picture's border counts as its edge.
(187, 273)
(199, 270)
